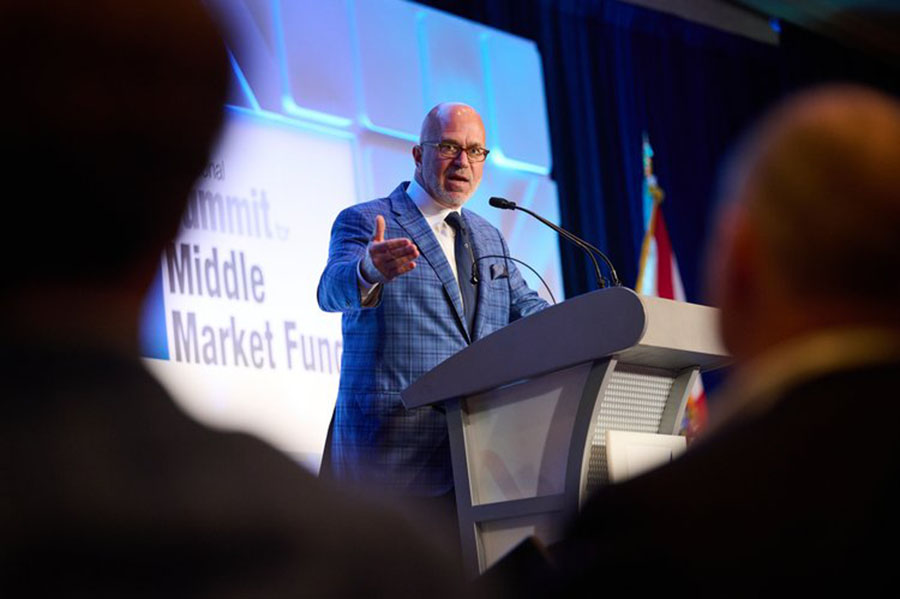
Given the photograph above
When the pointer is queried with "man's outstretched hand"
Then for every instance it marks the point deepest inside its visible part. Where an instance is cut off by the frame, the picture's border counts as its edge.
(387, 259)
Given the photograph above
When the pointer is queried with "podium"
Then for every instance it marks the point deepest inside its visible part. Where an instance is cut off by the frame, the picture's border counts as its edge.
(528, 407)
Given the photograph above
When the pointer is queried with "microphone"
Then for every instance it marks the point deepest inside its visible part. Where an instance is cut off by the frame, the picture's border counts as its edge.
(502, 203)
(505, 204)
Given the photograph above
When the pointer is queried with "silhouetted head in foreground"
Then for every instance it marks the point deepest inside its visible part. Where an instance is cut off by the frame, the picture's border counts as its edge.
(110, 109)
(810, 237)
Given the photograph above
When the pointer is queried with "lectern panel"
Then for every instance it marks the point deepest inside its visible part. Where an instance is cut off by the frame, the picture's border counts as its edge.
(499, 537)
(634, 401)
(528, 408)
(517, 437)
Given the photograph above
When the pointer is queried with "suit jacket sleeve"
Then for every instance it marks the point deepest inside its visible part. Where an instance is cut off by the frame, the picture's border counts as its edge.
(339, 286)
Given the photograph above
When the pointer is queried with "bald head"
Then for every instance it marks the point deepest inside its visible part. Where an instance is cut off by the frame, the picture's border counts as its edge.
(450, 181)
(814, 224)
(442, 114)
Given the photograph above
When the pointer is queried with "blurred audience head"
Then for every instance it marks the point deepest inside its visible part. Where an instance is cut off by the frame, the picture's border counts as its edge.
(809, 234)
(109, 110)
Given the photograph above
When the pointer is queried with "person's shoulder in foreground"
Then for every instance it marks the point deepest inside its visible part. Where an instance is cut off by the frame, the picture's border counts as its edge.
(112, 489)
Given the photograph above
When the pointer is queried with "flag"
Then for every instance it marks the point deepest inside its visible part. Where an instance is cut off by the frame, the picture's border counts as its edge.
(658, 275)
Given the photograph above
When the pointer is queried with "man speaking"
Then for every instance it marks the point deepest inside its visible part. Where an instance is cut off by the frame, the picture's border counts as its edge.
(406, 272)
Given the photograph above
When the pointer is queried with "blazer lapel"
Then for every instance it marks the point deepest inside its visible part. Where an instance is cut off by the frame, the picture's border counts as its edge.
(412, 221)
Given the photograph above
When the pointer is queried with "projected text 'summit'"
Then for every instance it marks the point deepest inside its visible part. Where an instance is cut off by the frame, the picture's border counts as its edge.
(233, 215)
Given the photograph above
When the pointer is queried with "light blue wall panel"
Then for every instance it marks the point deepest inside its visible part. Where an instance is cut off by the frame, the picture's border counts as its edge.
(317, 45)
(386, 161)
(452, 59)
(391, 87)
(517, 112)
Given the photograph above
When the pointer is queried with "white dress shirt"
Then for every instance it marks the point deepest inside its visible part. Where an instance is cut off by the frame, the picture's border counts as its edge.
(435, 214)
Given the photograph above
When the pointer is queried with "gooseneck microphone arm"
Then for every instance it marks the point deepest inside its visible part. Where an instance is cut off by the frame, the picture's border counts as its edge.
(505, 204)
(601, 281)
(587, 247)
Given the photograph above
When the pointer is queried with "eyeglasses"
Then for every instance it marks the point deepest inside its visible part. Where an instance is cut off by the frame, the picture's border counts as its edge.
(448, 149)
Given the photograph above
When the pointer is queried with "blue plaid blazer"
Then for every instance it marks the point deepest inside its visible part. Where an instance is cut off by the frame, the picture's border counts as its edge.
(417, 323)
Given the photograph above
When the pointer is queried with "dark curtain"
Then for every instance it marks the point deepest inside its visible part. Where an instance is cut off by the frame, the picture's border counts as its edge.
(689, 87)
(613, 70)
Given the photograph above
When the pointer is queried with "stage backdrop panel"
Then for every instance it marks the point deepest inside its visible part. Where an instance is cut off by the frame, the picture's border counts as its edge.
(326, 103)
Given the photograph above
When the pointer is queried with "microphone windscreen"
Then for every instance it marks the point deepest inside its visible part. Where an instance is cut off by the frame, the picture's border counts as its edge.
(502, 203)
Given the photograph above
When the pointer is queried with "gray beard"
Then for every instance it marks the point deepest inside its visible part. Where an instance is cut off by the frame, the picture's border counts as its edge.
(440, 197)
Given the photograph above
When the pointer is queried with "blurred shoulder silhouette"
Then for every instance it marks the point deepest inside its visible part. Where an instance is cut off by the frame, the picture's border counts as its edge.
(109, 111)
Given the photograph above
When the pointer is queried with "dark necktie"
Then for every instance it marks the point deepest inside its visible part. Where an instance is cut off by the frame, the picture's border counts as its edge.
(462, 249)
